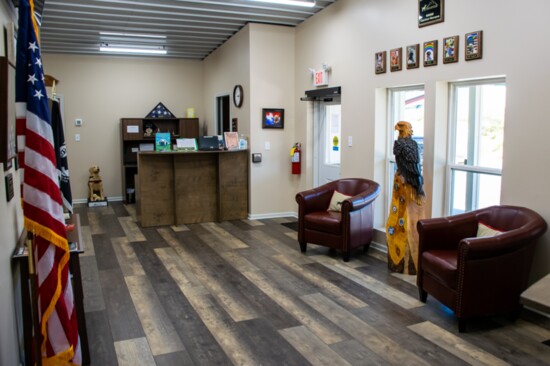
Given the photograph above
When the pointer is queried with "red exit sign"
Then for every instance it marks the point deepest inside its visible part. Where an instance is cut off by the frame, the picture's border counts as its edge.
(320, 78)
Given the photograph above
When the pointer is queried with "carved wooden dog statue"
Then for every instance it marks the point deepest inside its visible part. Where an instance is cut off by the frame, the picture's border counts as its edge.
(95, 186)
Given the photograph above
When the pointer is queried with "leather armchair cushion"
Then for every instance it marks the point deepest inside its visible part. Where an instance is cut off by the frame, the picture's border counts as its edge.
(324, 221)
(441, 264)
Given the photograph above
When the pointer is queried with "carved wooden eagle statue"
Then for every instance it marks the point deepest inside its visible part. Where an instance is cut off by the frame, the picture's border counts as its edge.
(407, 157)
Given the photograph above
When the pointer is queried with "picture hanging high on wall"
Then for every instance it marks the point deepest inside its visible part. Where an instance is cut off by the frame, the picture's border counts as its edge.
(412, 56)
(430, 53)
(473, 45)
(396, 59)
(430, 12)
(380, 62)
(450, 49)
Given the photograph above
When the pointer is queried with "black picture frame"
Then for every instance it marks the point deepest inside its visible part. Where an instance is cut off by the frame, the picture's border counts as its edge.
(273, 118)
(430, 12)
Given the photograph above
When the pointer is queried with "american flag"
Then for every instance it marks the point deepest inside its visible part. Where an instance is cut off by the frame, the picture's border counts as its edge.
(42, 205)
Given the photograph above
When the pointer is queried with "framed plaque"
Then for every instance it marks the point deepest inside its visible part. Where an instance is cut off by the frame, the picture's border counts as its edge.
(8, 148)
(430, 12)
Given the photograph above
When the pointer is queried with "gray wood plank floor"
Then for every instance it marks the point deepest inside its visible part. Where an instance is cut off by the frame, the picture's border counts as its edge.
(241, 293)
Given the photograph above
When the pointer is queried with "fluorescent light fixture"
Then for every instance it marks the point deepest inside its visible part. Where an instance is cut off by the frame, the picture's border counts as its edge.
(150, 51)
(291, 2)
(120, 34)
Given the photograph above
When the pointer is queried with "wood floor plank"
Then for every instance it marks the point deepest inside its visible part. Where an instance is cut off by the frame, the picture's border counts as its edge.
(311, 347)
(127, 259)
(280, 247)
(179, 228)
(253, 222)
(200, 345)
(131, 209)
(173, 359)
(235, 306)
(119, 209)
(87, 242)
(95, 223)
(123, 318)
(337, 293)
(372, 338)
(131, 229)
(270, 347)
(225, 333)
(100, 339)
(370, 283)
(160, 332)
(133, 352)
(104, 252)
(317, 324)
(223, 236)
(355, 353)
(455, 345)
(91, 286)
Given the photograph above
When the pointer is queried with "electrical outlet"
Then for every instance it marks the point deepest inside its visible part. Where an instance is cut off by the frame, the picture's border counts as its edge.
(77, 137)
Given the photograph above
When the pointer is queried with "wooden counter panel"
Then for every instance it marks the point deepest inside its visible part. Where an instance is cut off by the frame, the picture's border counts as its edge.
(156, 185)
(233, 185)
(195, 188)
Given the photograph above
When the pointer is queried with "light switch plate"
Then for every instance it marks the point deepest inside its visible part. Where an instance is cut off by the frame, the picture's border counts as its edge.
(78, 122)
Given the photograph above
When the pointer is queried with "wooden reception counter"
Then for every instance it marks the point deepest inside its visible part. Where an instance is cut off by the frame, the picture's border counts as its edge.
(189, 187)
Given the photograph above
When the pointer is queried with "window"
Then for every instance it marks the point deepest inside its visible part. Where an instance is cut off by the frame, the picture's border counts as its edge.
(476, 144)
(405, 104)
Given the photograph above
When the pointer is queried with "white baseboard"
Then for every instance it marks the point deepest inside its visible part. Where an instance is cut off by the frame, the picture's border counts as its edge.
(272, 215)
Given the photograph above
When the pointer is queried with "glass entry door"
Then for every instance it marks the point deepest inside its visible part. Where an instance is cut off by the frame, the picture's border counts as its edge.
(328, 140)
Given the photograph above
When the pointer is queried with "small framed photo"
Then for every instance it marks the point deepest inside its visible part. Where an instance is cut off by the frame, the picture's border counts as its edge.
(430, 53)
(473, 45)
(380, 62)
(412, 56)
(450, 49)
(273, 118)
(430, 12)
(231, 140)
(396, 59)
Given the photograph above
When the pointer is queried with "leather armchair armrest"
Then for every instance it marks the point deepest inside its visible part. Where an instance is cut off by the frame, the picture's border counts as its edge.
(493, 246)
(316, 199)
(445, 232)
(361, 200)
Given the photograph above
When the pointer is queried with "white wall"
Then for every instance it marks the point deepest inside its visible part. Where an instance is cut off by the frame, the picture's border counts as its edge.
(103, 89)
(347, 35)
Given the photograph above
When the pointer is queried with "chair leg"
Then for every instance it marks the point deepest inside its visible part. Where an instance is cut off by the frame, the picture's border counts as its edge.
(346, 255)
(303, 246)
(423, 295)
(461, 325)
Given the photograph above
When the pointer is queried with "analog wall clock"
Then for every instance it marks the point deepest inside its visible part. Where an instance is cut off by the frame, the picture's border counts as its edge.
(238, 96)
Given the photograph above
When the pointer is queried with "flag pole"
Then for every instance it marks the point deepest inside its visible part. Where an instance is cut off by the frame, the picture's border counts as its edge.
(34, 302)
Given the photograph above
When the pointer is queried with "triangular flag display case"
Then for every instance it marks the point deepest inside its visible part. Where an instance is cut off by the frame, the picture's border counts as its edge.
(160, 111)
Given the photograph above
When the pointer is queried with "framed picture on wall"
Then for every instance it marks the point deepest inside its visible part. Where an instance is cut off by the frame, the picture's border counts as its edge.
(396, 59)
(273, 118)
(412, 56)
(8, 149)
(430, 53)
(430, 12)
(380, 62)
(450, 49)
(473, 45)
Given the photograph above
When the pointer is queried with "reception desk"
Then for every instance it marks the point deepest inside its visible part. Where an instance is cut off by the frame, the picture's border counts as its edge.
(189, 187)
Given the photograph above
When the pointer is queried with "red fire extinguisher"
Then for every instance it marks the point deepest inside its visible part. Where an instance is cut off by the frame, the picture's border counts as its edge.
(296, 158)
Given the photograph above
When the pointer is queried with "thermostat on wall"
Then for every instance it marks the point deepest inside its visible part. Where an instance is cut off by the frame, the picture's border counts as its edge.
(256, 157)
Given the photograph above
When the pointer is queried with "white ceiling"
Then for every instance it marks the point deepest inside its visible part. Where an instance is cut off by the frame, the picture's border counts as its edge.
(193, 28)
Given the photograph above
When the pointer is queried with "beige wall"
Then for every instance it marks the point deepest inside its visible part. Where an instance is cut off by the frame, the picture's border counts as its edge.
(101, 90)
(348, 34)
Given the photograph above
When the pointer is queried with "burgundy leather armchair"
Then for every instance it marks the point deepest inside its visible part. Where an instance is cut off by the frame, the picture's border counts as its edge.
(478, 276)
(345, 230)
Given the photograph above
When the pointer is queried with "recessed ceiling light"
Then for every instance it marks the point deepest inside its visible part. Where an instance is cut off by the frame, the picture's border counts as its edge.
(132, 50)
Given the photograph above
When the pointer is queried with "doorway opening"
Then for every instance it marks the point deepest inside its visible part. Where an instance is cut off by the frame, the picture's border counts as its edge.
(222, 114)
(327, 140)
